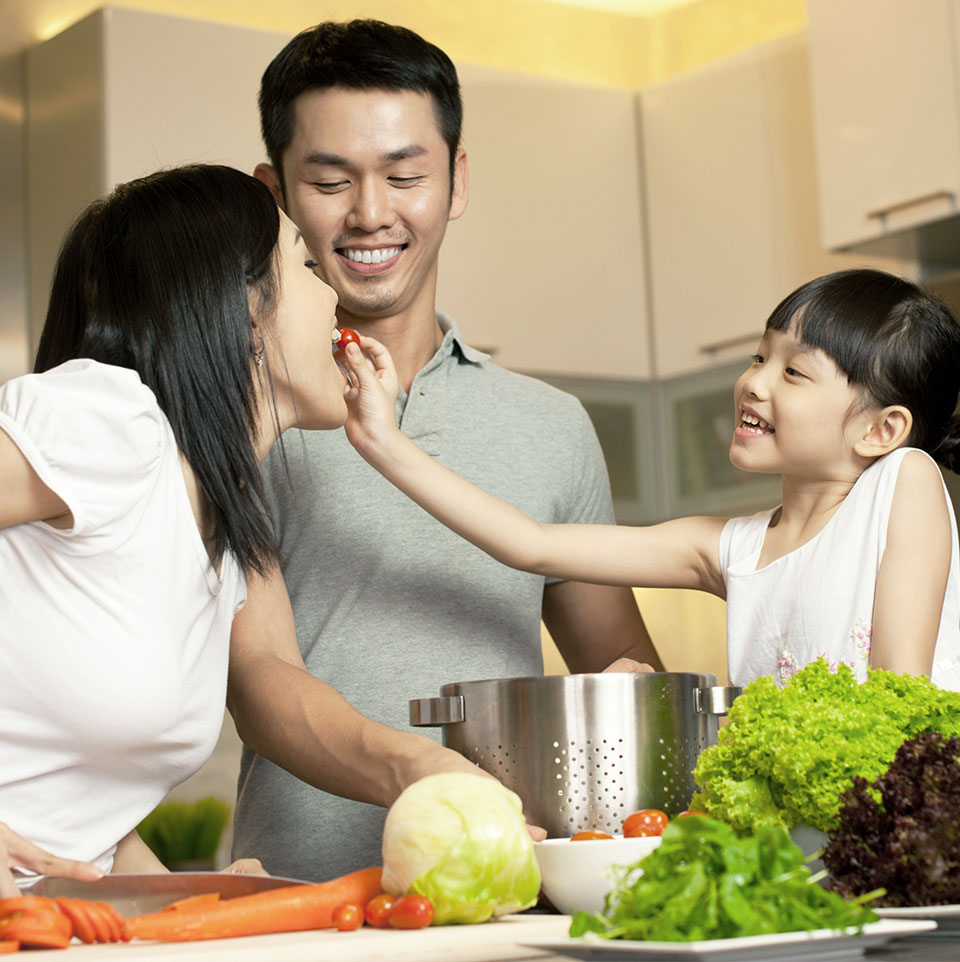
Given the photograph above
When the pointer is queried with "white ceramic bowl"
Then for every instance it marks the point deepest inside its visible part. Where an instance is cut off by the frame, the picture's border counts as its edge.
(575, 874)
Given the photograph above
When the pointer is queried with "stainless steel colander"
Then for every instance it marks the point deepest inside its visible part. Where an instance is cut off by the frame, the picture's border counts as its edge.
(584, 751)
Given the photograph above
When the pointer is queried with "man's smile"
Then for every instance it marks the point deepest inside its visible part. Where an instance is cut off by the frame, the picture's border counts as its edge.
(364, 255)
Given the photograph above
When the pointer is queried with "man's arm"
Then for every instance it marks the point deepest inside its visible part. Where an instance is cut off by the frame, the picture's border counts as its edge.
(303, 725)
(595, 625)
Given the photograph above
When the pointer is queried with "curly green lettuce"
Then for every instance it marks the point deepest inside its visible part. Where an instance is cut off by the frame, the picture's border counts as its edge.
(787, 754)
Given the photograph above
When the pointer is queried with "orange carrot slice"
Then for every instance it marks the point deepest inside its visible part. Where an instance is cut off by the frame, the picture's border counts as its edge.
(192, 902)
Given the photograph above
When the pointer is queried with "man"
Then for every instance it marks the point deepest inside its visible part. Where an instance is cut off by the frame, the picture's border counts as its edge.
(362, 126)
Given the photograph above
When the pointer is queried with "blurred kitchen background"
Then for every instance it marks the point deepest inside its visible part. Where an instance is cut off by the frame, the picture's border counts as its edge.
(648, 179)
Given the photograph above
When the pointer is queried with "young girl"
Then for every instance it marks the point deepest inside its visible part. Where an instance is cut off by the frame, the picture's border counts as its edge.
(185, 332)
(850, 398)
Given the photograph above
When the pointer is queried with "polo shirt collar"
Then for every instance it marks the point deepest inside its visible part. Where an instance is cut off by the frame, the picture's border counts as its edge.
(452, 336)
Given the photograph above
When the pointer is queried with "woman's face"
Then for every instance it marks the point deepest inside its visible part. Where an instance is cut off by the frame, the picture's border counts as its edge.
(308, 383)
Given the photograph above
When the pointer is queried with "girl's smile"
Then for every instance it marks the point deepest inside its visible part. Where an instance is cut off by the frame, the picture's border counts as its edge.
(795, 400)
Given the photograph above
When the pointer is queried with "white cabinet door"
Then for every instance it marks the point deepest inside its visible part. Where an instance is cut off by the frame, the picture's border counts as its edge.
(731, 201)
(122, 93)
(886, 111)
(547, 264)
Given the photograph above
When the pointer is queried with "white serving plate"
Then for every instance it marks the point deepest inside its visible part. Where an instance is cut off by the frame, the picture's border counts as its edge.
(947, 918)
(813, 946)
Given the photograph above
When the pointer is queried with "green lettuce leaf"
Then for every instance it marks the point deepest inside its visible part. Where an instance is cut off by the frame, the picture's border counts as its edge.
(787, 754)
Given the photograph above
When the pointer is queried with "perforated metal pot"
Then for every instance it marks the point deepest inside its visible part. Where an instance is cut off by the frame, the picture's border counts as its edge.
(584, 751)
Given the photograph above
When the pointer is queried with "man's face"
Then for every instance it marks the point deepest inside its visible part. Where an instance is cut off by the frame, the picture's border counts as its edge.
(367, 179)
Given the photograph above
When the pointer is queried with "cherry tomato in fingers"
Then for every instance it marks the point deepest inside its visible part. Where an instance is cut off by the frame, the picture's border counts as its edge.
(348, 917)
(411, 912)
(347, 336)
(649, 821)
(377, 911)
(588, 835)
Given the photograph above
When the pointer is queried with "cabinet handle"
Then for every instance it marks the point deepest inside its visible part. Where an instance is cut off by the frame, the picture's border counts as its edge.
(718, 346)
(913, 202)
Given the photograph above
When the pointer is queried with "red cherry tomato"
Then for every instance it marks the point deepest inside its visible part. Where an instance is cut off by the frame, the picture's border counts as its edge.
(347, 336)
(348, 917)
(693, 811)
(588, 835)
(377, 912)
(411, 912)
(650, 821)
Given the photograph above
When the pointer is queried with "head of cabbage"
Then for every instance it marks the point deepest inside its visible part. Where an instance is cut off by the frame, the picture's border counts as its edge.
(460, 840)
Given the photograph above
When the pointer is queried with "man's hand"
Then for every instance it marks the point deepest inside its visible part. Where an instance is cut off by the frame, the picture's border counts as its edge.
(630, 665)
(245, 866)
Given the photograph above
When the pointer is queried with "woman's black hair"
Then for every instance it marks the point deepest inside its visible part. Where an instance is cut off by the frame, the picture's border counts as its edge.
(896, 343)
(158, 277)
(357, 55)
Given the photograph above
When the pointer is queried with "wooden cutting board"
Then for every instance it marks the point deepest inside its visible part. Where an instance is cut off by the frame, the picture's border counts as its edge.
(493, 941)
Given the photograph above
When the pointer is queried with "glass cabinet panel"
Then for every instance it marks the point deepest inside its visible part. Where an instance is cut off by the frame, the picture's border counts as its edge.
(623, 416)
(698, 420)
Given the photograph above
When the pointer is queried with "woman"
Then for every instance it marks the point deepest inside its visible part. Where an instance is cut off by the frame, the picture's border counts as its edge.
(186, 331)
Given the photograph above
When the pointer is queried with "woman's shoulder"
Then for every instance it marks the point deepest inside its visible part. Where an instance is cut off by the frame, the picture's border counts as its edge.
(81, 389)
(84, 418)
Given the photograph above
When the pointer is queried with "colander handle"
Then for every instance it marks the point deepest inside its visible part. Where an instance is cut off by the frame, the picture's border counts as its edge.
(436, 711)
(716, 700)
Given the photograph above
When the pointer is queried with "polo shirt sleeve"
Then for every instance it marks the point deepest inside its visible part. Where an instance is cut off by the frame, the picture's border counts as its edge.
(93, 433)
(589, 500)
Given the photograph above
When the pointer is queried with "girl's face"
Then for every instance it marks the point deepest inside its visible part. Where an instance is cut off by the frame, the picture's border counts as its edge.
(796, 414)
(308, 383)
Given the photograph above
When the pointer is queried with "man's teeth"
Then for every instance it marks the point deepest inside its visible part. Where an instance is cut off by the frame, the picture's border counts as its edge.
(371, 257)
(752, 421)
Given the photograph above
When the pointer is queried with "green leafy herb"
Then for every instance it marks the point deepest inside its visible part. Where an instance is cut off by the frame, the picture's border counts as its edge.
(788, 753)
(185, 832)
(705, 882)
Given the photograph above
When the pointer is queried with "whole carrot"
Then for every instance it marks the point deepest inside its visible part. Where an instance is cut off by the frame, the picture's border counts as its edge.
(289, 909)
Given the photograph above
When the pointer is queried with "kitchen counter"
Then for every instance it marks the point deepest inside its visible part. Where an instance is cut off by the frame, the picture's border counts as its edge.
(493, 942)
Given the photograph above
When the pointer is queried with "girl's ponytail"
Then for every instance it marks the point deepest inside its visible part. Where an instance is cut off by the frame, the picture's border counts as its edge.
(947, 452)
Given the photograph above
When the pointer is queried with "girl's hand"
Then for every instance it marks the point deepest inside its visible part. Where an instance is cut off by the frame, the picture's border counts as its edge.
(371, 396)
(17, 852)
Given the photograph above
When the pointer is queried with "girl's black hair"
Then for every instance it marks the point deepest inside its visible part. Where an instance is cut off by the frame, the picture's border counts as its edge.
(158, 277)
(896, 343)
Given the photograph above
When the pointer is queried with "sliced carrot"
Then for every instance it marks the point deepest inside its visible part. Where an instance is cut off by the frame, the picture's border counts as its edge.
(83, 927)
(292, 908)
(45, 931)
(25, 903)
(192, 902)
(7, 946)
(114, 921)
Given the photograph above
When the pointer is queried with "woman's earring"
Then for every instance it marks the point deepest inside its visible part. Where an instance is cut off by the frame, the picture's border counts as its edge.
(258, 354)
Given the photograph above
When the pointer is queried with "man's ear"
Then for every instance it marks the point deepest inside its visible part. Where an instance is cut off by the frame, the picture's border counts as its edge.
(461, 185)
(268, 175)
(885, 431)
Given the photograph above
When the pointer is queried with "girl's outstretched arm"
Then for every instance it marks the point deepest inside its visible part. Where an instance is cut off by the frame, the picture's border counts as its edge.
(913, 573)
(679, 554)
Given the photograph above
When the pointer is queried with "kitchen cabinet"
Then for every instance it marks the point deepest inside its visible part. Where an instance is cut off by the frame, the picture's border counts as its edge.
(887, 118)
(550, 251)
(120, 94)
(731, 201)
(550, 247)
